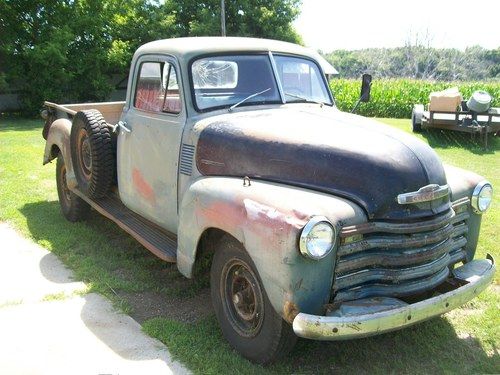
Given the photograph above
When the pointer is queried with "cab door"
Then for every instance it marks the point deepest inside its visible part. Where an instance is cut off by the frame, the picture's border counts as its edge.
(149, 141)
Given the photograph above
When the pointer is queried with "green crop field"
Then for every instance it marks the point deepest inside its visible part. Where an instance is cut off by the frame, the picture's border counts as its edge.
(110, 262)
(396, 97)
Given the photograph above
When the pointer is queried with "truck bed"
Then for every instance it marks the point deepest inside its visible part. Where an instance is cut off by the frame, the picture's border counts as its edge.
(110, 110)
(157, 240)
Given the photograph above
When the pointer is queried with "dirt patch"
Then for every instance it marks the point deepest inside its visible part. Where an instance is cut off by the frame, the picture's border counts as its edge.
(146, 305)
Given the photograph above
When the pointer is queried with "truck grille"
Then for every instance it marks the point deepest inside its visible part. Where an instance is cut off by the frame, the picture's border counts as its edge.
(397, 260)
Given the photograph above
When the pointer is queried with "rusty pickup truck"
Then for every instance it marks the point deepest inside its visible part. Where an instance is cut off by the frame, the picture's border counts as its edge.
(229, 156)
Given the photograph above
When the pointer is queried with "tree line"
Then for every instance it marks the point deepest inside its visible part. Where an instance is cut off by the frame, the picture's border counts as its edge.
(67, 50)
(418, 61)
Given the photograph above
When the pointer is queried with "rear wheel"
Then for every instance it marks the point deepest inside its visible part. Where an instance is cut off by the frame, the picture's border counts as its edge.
(72, 206)
(416, 127)
(416, 118)
(245, 314)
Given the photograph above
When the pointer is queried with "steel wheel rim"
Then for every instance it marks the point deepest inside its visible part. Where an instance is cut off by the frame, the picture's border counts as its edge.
(242, 298)
(66, 193)
(84, 153)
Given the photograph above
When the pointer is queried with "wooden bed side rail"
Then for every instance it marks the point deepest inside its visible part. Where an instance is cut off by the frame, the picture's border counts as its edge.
(111, 111)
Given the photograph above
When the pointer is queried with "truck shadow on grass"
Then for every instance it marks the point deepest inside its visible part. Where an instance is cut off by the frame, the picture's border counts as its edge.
(19, 124)
(178, 311)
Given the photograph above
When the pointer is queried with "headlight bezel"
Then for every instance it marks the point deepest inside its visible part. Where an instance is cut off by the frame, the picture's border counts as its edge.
(476, 194)
(310, 225)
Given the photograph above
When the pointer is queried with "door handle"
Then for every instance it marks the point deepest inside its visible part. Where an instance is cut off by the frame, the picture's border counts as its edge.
(123, 125)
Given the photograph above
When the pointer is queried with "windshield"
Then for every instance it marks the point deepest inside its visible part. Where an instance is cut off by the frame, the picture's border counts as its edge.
(226, 80)
(301, 80)
(223, 81)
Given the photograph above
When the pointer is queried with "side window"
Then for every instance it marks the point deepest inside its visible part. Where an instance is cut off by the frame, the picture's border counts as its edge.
(157, 89)
(150, 90)
(172, 102)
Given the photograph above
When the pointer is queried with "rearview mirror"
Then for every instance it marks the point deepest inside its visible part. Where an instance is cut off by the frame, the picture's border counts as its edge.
(366, 86)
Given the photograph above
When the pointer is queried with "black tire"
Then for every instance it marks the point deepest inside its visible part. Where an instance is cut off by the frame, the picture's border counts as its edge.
(92, 153)
(262, 336)
(416, 127)
(73, 207)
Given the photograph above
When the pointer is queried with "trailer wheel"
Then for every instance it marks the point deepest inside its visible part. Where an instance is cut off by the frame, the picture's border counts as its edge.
(92, 153)
(416, 118)
(73, 207)
(245, 314)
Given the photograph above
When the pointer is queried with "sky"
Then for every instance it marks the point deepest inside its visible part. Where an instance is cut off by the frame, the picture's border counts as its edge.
(354, 24)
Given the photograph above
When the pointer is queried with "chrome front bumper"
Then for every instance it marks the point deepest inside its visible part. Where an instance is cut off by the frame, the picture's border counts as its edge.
(378, 315)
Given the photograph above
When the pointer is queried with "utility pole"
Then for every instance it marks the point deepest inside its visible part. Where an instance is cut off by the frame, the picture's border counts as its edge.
(223, 17)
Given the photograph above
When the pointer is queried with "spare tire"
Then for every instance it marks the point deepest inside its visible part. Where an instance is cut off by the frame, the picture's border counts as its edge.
(92, 153)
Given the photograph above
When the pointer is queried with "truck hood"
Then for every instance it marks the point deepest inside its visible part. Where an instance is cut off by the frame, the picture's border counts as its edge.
(325, 150)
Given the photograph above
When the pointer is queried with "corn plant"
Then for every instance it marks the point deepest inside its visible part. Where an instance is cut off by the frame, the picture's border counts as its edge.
(396, 97)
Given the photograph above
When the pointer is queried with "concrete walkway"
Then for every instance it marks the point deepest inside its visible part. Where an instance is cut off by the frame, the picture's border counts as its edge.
(47, 327)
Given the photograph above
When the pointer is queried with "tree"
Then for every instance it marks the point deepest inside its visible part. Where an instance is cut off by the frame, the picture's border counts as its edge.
(419, 62)
(67, 50)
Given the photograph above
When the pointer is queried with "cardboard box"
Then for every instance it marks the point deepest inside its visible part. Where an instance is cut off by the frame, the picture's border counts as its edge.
(447, 100)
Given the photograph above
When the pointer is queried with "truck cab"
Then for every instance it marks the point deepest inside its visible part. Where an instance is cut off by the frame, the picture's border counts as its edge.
(314, 223)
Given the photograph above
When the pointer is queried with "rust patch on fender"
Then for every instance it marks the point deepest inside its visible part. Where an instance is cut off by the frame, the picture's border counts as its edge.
(221, 213)
(270, 224)
(141, 185)
(290, 311)
(271, 217)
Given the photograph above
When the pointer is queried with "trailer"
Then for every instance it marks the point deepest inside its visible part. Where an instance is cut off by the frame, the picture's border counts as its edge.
(462, 119)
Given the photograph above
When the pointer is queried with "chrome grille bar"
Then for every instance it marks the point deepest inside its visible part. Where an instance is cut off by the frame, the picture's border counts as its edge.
(388, 242)
(395, 290)
(399, 259)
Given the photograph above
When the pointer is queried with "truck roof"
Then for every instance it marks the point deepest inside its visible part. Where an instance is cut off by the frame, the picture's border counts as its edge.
(187, 48)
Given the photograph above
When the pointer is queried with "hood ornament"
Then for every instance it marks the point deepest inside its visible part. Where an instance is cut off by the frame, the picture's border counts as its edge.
(424, 194)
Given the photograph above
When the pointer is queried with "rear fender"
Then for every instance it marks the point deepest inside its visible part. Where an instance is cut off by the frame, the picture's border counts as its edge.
(267, 219)
(59, 139)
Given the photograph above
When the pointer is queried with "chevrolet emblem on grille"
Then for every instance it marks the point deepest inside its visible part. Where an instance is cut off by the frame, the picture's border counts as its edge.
(424, 194)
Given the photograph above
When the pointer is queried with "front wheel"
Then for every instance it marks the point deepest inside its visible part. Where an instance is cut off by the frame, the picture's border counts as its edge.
(73, 207)
(245, 314)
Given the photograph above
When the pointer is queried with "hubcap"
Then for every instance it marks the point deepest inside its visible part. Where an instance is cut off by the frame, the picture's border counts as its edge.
(242, 298)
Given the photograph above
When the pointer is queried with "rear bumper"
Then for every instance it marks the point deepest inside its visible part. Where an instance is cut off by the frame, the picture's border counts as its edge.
(377, 315)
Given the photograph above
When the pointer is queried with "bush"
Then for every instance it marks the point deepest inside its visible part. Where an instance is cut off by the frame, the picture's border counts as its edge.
(396, 97)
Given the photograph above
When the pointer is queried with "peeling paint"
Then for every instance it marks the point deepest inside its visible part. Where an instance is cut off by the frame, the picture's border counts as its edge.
(220, 213)
(142, 187)
(298, 284)
(260, 212)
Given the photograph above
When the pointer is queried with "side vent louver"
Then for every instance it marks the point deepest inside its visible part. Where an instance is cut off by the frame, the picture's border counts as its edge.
(186, 164)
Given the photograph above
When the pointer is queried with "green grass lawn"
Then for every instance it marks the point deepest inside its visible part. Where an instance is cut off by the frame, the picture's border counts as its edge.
(466, 340)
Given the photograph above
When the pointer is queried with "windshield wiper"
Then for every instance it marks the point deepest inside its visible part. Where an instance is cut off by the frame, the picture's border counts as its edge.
(248, 97)
(304, 99)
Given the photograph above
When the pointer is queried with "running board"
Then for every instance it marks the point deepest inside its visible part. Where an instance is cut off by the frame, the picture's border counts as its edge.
(161, 243)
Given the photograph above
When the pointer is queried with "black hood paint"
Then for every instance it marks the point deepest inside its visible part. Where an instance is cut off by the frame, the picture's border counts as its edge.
(325, 150)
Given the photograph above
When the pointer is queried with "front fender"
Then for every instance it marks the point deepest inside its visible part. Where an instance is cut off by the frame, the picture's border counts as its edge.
(461, 182)
(267, 219)
(59, 136)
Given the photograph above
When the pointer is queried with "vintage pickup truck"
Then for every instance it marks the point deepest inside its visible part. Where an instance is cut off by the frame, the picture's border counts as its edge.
(320, 224)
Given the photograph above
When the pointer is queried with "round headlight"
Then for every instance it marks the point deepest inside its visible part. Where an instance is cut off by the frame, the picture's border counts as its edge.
(317, 238)
(482, 196)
